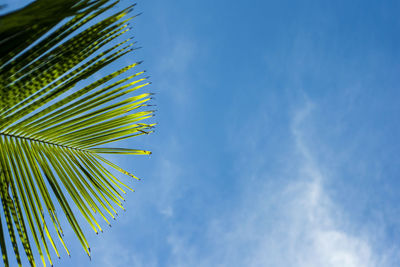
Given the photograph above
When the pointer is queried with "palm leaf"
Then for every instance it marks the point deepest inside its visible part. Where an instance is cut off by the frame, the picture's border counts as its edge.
(54, 130)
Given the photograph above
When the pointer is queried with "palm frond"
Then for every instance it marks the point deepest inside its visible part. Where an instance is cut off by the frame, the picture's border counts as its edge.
(53, 131)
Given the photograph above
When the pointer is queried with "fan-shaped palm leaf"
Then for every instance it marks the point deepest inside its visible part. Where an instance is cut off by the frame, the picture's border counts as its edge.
(53, 132)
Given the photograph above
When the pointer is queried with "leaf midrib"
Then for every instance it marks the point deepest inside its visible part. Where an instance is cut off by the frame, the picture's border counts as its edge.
(43, 142)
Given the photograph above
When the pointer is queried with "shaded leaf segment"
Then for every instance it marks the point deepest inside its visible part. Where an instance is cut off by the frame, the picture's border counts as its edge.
(54, 131)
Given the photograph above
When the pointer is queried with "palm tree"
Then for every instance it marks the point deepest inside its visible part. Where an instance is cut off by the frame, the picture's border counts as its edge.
(53, 129)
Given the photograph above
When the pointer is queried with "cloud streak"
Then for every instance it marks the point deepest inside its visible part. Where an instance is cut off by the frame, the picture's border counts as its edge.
(294, 224)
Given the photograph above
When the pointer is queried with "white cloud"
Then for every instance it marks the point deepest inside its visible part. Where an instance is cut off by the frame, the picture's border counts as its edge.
(320, 241)
(294, 224)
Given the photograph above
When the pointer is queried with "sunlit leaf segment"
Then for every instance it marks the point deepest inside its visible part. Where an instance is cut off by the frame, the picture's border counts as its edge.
(56, 124)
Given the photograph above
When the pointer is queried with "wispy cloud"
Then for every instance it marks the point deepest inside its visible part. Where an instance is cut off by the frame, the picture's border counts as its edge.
(316, 237)
(293, 224)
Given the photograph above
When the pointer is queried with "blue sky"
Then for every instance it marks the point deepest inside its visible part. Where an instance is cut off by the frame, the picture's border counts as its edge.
(277, 138)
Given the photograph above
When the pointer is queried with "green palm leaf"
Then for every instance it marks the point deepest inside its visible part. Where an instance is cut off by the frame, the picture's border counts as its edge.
(53, 131)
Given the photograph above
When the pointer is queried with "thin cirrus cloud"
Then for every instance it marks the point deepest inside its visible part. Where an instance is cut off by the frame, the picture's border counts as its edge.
(297, 225)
